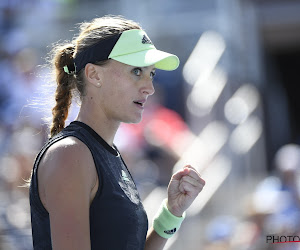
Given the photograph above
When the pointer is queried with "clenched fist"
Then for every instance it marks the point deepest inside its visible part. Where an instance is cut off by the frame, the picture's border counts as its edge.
(184, 187)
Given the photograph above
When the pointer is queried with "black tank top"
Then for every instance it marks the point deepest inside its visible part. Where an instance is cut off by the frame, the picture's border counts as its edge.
(117, 217)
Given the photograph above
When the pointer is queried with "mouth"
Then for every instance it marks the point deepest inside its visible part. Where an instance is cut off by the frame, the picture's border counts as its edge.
(140, 103)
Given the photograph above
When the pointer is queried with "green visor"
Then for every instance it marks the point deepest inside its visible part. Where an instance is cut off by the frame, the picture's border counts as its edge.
(136, 49)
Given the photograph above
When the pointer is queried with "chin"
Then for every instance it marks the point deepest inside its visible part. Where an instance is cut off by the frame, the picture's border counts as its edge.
(133, 121)
(136, 122)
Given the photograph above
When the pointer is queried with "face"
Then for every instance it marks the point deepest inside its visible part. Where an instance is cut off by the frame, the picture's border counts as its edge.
(124, 91)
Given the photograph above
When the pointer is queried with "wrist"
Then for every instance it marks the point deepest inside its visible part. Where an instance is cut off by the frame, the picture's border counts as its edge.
(165, 223)
(174, 211)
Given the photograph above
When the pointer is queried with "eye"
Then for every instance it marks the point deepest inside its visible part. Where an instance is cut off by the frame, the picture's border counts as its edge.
(152, 74)
(137, 71)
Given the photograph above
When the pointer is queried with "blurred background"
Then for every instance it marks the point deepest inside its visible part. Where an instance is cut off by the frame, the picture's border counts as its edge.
(230, 110)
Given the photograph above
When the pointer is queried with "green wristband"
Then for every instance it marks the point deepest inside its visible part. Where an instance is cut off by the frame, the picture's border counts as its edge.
(165, 223)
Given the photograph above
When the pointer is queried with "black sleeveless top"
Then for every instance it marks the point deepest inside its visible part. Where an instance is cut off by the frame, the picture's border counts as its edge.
(117, 217)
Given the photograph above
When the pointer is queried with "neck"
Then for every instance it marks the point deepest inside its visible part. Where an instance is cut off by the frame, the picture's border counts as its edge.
(99, 123)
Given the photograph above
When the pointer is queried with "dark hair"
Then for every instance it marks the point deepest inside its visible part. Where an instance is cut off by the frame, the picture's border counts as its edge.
(63, 55)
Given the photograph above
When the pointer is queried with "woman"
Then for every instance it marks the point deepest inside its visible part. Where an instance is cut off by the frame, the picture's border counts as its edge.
(82, 195)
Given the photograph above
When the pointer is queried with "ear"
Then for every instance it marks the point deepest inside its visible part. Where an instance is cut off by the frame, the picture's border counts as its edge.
(93, 74)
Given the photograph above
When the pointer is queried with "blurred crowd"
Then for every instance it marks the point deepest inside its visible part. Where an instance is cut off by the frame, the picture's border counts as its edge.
(150, 149)
(269, 213)
(20, 134)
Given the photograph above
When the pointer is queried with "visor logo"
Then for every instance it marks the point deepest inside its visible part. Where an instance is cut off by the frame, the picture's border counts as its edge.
(146, 40)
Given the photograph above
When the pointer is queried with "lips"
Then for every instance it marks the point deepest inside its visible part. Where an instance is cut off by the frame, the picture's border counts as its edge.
(141, 103)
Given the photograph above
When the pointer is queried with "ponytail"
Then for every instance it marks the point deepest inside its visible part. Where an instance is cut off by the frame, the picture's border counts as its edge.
(63, 59)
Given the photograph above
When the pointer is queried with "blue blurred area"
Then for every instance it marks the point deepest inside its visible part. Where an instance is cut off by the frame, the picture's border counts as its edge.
(231, 106)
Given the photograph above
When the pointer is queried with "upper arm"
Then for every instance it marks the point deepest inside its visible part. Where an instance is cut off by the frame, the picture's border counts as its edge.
(67, 180)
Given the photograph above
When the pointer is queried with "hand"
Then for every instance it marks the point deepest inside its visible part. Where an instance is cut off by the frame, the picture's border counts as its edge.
(184, 187)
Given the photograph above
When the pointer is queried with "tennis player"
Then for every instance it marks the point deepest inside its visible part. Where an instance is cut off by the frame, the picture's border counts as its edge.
(82, 195)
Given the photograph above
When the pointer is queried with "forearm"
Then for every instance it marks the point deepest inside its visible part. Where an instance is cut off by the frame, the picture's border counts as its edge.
(154, 241)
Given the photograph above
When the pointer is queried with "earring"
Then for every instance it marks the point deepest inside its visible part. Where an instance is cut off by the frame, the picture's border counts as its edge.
(98, 84)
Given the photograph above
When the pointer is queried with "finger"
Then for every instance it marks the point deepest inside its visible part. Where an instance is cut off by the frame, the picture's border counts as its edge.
(190, 168)
(190, 180)
(181, 188)
(197, 185)
(194, 174)
(179, 174)
(188, 188)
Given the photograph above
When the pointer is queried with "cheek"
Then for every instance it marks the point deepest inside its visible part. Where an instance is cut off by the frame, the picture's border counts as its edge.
(116, 97)
(118, 88)
(112, 88)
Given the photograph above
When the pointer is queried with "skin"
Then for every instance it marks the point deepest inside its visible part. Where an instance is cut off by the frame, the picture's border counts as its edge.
(67, 175)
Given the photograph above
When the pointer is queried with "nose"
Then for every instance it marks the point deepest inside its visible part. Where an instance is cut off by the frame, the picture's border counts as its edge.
(148, 88)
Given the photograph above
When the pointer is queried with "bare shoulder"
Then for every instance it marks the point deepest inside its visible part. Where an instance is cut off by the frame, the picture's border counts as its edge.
(68, 145)
(66, 155)
(67, 167)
